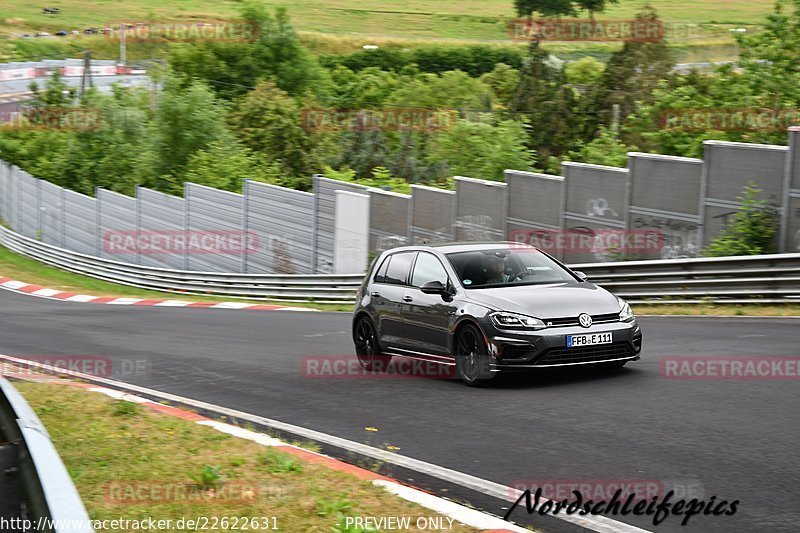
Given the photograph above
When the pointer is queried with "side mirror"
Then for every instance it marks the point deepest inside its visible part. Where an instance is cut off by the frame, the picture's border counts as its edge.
(433, 287)
(581, 275)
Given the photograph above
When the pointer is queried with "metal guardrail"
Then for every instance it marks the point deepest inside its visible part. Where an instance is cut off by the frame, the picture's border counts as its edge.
(290, 288)
(35, 486)
(745, 279)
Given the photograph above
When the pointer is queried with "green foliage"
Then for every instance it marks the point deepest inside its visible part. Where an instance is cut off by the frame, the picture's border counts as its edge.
(187, 119)
(475, 60)
(503, 80)
(482, 150)
(605, 149)
(275, 53)
(209, 477)
(279, 463)
(557, 8)
(449, 90)
(268, 121)
(126, 409)
(752, 230)
(224, 165)
(333, 507)
(381, 179)
(585, 71)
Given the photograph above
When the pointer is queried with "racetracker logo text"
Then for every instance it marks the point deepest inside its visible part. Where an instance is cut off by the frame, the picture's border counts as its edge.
(389, 119)
(756, 368)
(349, 367)
(178, 242)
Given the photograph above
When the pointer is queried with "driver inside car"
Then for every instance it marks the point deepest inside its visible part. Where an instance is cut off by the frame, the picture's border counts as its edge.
(496, 271)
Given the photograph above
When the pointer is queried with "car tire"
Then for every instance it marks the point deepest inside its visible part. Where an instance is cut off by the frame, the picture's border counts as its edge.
(368, 349)
(472, 357)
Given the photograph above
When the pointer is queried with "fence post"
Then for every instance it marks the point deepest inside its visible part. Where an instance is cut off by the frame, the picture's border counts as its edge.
(314, 209)
(245, 207)
(98, 219)
(186, 209)
(138, 224)
(62, 229)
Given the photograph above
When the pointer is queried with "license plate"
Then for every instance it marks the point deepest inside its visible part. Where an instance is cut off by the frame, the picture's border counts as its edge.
(575, 341)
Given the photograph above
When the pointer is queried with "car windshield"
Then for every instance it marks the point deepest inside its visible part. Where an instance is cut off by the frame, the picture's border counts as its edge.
(507, 267)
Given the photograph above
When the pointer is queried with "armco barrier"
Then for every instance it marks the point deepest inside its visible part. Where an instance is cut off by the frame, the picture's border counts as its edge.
(317, 287)
(748, 279)
(35, 486)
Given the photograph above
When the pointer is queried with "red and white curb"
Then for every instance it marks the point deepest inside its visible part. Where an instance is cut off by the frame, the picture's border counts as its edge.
(459, 513)
(53, 294)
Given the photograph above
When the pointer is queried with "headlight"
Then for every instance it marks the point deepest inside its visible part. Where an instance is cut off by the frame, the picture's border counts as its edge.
(514, 321)
(625, 312)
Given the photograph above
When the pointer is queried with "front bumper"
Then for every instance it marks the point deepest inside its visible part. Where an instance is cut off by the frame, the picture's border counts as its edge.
(519, 350)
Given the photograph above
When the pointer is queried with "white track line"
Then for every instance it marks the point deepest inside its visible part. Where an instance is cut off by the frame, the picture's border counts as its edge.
(598, 523)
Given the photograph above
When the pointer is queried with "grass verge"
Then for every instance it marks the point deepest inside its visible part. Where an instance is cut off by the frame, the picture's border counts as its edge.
(30, 271)
(110, 446)
(754, 309)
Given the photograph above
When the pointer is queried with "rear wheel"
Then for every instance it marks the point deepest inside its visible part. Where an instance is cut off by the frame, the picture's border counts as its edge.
(472, 359)
(368, 350)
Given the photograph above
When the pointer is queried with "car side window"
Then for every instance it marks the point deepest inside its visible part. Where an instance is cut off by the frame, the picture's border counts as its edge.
(380, 275)
(397, 272)
(428, 268)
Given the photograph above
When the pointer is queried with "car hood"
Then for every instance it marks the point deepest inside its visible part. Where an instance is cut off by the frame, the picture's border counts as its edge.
(547, 301)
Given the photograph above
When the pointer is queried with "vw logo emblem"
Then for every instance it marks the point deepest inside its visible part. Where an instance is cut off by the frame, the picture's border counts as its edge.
(585, 320)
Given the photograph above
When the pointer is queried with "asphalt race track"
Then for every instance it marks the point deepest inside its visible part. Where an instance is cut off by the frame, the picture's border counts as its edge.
(730, 439)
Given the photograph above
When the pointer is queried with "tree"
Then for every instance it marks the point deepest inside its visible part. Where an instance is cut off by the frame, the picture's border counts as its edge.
(586, 71)
(225, 165)
(503, 81)
(268, 121)
(557, 8)
(186, 120)
(275, 53)
(605, 149)
(752, 230)
(482, 150)
(548, 105)
(633, 73)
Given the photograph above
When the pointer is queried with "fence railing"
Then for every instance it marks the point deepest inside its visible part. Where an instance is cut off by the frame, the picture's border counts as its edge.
(750, 279)
(316, 287)
(39, 488)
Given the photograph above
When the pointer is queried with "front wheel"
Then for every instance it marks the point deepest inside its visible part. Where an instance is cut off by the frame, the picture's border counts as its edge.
(368, 350)
(472, 359)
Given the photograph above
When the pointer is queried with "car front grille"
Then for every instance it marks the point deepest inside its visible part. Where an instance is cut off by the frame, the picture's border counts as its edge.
(586, 354)
(573, 320)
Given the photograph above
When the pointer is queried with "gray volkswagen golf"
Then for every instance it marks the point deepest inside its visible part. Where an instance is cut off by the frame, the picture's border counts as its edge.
(486, 308)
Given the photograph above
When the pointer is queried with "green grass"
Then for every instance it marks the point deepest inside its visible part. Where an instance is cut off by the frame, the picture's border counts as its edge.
(99, 447)
(30, 271)
(348, 24)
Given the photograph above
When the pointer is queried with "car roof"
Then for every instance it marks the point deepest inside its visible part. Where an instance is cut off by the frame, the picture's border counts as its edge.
(451, 247)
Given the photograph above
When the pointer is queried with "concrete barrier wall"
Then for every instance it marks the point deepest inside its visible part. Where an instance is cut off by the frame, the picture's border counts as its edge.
(679, 204)
(665, 200)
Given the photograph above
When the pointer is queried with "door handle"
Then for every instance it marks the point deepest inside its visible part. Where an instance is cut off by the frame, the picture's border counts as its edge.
(376, 294)
(408, 299)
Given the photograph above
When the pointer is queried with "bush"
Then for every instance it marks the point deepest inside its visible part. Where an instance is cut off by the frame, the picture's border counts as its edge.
(752, 230)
